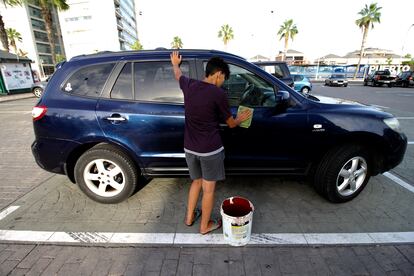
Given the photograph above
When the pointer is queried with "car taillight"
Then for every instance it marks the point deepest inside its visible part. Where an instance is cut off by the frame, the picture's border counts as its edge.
(377, 77)
(410, 78)
(38, 112)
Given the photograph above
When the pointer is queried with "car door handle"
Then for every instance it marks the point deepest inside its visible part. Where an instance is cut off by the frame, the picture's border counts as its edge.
(115, 118)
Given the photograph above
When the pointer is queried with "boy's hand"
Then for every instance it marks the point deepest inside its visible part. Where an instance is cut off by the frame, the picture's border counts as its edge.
(175, 58)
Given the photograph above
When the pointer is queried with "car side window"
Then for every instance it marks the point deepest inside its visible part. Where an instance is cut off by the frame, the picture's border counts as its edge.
(122, 88)
(89, 80)
(298, 78)
(155, 81)
(246, 88)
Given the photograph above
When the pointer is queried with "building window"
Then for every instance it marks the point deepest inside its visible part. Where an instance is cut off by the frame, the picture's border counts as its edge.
(78, 18)
(35, 12)
(38, 24)
(46, 59)
(41, 36)
(43, 48)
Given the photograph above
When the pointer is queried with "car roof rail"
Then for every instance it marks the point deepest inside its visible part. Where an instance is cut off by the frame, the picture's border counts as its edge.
(159, 49)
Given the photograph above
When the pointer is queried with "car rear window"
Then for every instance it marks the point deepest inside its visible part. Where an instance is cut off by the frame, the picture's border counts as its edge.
(89, 80)
(274, 69)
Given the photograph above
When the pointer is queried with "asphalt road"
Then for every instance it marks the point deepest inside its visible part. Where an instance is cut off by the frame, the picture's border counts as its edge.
(398, 100)
(294, 228)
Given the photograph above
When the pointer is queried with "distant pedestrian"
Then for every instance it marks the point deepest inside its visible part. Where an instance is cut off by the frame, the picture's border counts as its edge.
(205, 106)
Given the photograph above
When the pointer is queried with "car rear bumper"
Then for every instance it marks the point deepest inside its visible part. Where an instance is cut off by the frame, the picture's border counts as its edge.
(51, 154)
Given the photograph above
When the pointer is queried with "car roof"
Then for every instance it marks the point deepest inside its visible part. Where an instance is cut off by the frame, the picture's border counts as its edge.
(161, 52)
(269, 62)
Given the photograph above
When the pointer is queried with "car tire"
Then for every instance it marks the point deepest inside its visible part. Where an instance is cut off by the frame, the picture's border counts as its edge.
(365, 83)
(106, 174)
(405, 84)
(37, 91)
(305, 90)
(343, 173)
(345, 85)
(390, 85)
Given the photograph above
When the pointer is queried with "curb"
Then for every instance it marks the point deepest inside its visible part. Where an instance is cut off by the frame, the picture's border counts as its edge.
(8, 98)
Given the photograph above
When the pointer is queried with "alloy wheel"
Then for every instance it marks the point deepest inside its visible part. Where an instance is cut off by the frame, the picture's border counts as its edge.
(351, 176)
(104, 177)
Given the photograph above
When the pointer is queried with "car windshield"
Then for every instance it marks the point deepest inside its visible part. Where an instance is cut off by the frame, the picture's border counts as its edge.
(383, 73)
(338, 76)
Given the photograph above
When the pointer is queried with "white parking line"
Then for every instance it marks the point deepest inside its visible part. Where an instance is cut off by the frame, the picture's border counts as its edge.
(405, 118)
(399, 181)
(8, 211)
(410, 142)
(181, 238)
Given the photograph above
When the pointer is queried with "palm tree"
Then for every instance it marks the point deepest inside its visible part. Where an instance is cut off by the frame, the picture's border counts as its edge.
(46, 7)
(226, 34)
(137, 45)
(3, 34)
(176, 43)
(287, 30)
(370, 15)
(12, 36)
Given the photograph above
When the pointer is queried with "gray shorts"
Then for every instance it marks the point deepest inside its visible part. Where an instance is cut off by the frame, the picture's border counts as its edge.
(210, 168)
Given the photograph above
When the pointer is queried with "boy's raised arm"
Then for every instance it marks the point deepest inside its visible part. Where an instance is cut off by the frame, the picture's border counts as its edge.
(176, 60)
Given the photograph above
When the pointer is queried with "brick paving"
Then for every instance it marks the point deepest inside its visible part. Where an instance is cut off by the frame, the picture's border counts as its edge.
(21, 259)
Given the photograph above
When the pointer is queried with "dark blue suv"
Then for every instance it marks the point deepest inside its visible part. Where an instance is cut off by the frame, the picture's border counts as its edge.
(110, 120)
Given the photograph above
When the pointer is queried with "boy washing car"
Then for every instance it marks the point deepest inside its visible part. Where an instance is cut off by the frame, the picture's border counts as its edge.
(205, 103)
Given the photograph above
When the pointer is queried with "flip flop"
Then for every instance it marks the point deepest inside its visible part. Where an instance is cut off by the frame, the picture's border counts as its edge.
(216, 225)
(197, 214)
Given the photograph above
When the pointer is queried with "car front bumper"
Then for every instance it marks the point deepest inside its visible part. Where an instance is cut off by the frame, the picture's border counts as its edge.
(395, 154)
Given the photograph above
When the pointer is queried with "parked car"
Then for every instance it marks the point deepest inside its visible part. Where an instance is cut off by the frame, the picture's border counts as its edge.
(336, 80)
(379, 78)
(301, 83)
(38, 87)
(405, 79)
(111, 120)
(279, 69)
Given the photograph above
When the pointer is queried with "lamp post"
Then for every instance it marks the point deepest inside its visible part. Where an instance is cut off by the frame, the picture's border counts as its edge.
(272, 13)
(405, 39)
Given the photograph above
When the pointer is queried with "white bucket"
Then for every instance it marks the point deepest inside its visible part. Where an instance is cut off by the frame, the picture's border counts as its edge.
(237, 216)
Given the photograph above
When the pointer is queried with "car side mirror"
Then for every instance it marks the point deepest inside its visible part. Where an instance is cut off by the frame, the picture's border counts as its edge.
(282, 97)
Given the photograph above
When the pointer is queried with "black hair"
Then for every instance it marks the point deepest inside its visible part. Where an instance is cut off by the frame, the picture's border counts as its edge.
(216, 64)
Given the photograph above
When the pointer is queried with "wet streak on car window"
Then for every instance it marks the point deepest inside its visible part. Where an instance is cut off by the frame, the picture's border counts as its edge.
(155, 81)
(123, 85)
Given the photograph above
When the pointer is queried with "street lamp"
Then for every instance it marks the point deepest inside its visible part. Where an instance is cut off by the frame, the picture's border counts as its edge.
(405, 39)
(272, 13)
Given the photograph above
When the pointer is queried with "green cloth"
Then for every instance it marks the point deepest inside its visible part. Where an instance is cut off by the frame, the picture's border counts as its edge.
(247, 123)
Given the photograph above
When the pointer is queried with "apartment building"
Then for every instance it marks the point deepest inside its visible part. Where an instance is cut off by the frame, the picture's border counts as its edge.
(91, 26)
(27, 20)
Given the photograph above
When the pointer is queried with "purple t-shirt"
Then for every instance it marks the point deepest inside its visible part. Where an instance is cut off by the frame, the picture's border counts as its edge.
(206, 106)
